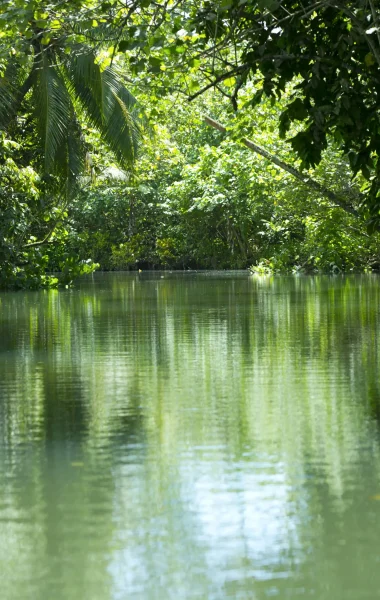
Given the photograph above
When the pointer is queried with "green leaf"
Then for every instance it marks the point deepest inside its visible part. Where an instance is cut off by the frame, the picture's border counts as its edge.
(230, 82)
(42, 24)
(369, 59)
(366, 172)
(154, 62)
(123, 45)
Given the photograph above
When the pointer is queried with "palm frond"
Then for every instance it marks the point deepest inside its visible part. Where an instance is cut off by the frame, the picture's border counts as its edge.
(109, 106)
(122, 128)
(54, 113)
(85, 80)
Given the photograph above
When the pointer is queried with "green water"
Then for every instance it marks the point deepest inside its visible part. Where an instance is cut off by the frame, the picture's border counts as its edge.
(191, 436)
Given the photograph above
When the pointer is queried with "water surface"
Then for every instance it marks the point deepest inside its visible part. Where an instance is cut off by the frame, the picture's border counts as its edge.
(191, 436)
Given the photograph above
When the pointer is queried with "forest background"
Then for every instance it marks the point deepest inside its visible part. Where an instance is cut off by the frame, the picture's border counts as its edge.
(108, 159)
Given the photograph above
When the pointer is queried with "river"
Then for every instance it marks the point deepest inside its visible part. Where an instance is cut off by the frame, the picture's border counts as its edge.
(191, 436)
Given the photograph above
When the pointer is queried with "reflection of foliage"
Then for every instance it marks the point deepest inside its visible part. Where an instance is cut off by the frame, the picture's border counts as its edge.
(176, 401)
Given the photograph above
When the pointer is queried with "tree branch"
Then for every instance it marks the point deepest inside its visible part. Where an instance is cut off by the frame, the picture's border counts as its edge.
(332, 196)
(218, 80)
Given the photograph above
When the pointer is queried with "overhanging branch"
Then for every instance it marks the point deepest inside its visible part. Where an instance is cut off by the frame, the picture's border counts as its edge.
(308, 181)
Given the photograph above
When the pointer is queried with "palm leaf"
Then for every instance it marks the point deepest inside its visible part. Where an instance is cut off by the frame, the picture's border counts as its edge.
(122, 128)
(109, 106)
(54, 114)
(85, 80)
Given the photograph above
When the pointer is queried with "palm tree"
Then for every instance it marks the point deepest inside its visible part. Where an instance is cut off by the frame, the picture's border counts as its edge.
(64, 90)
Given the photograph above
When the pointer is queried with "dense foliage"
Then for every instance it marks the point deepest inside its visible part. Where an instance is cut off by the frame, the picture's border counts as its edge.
(332, 50)
(90, 175)
(199, 199)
